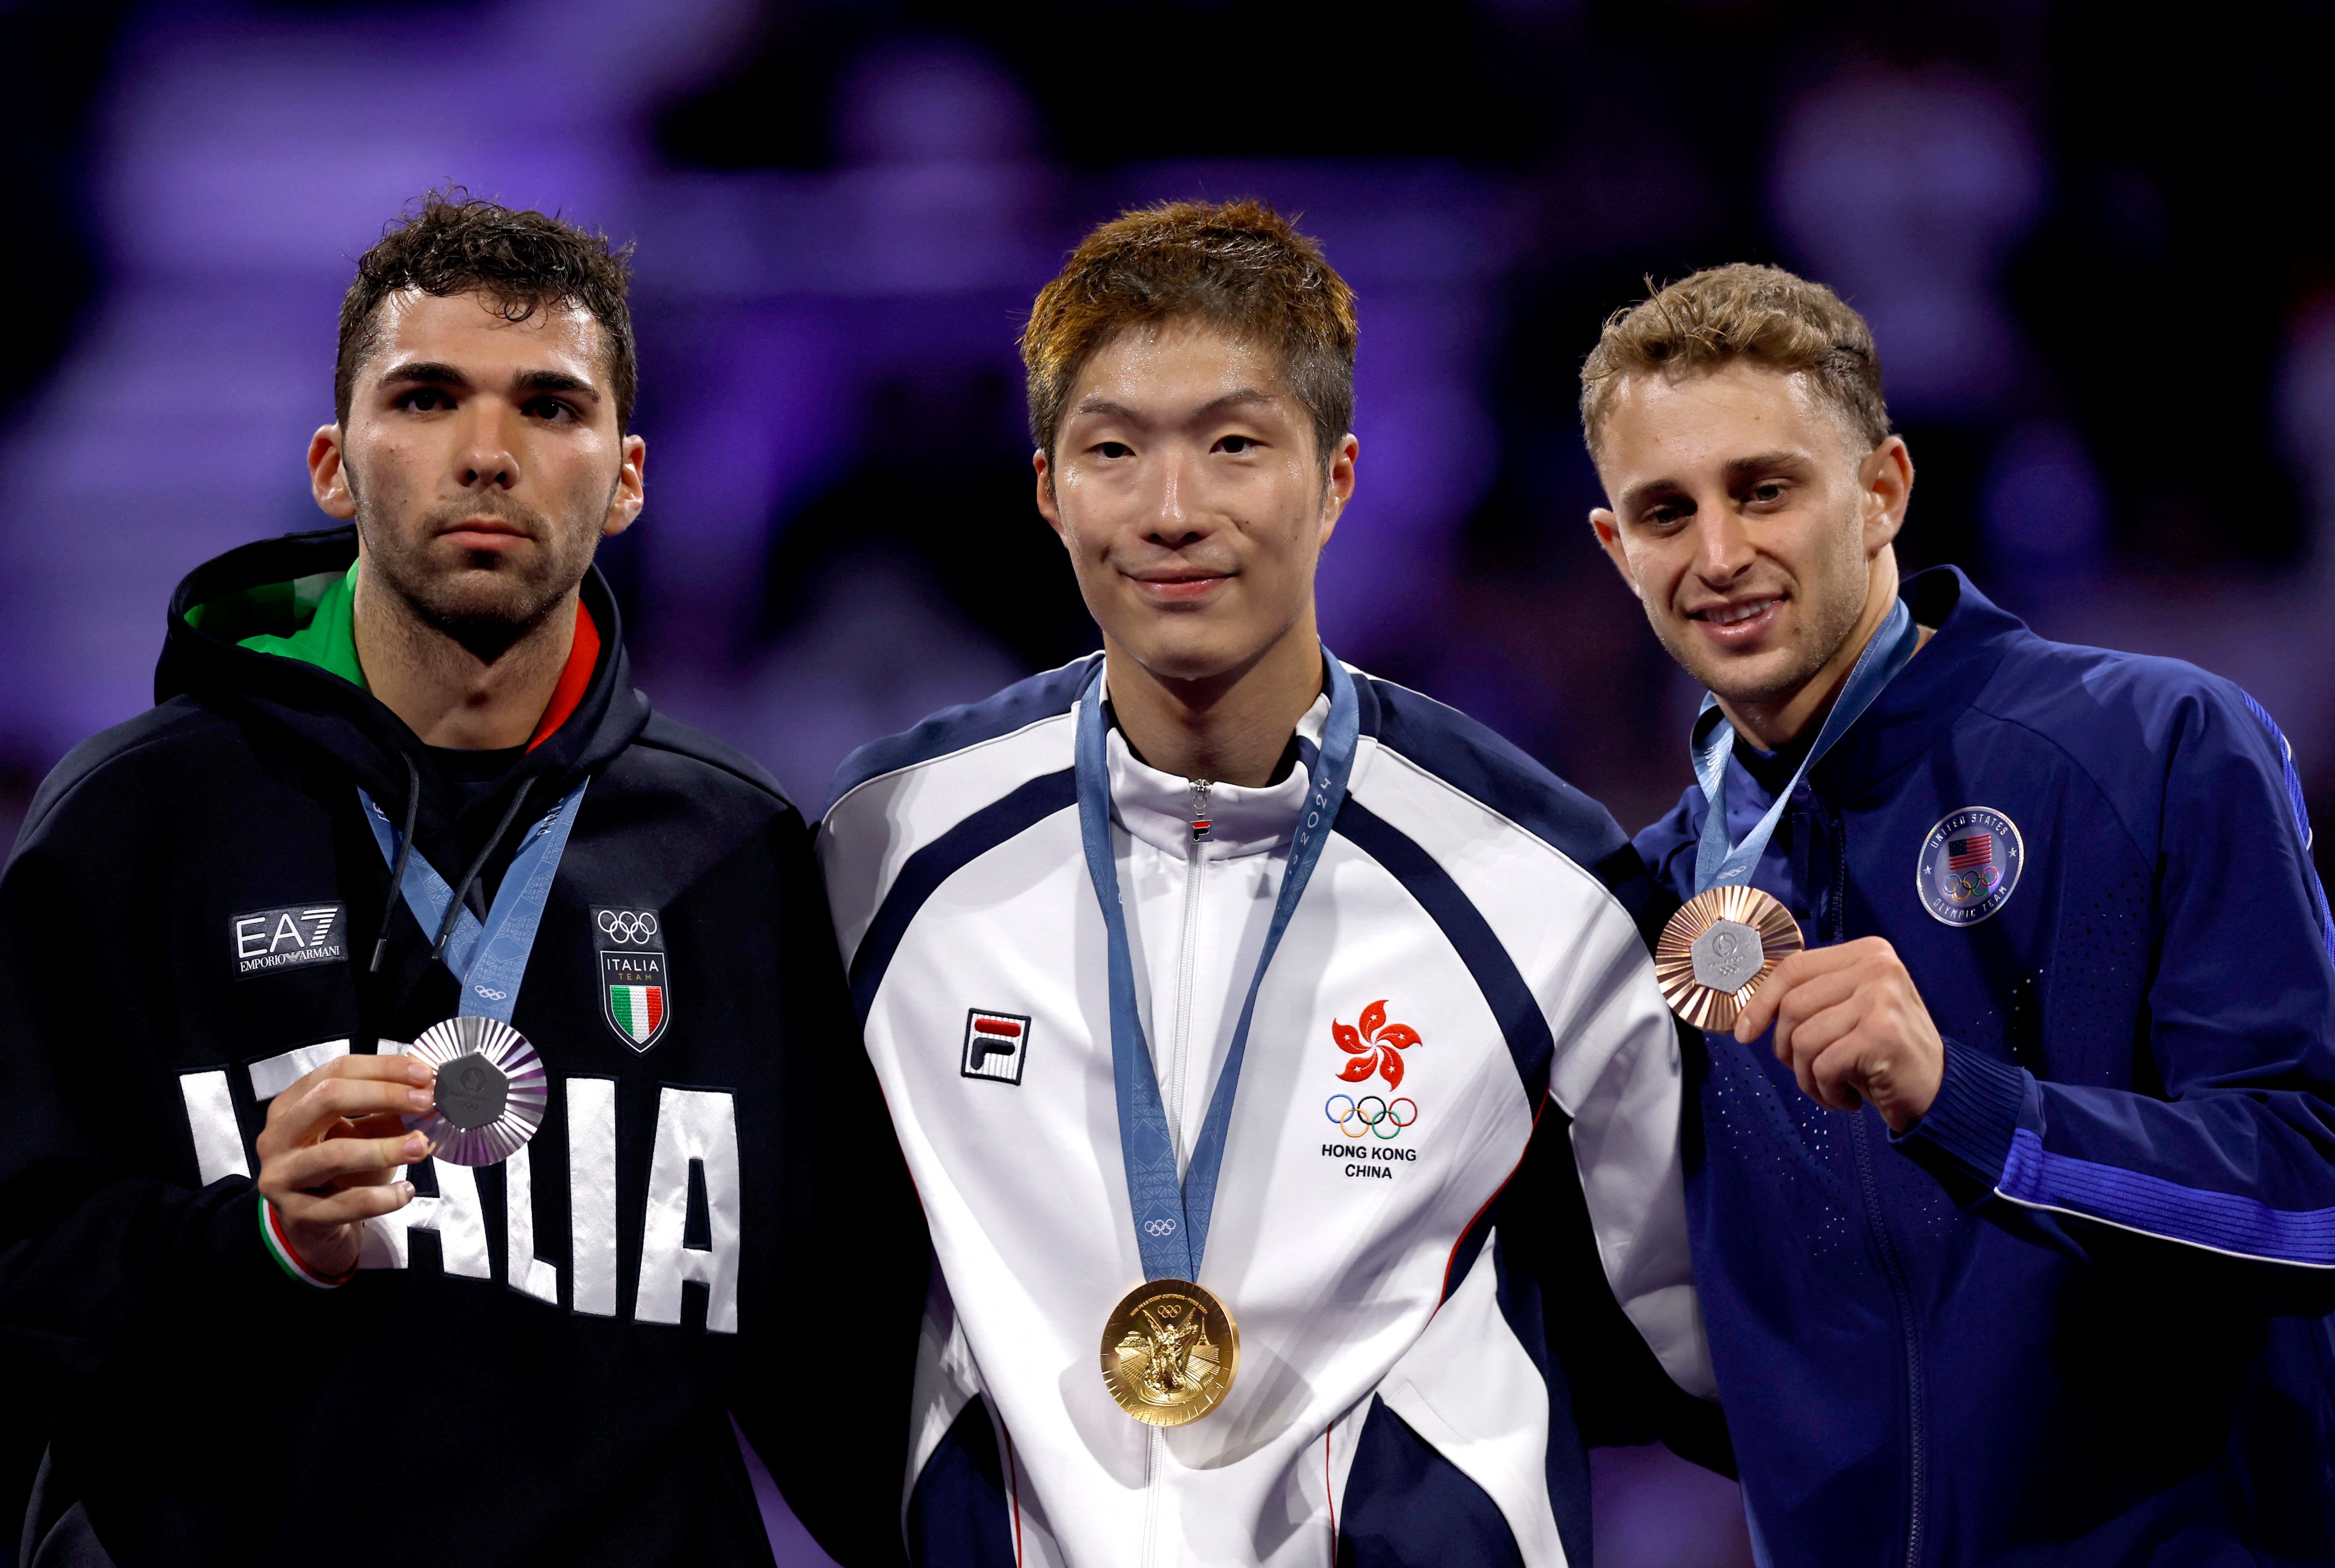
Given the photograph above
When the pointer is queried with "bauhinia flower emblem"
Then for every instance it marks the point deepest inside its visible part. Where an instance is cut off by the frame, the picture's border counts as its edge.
(1376, 1046)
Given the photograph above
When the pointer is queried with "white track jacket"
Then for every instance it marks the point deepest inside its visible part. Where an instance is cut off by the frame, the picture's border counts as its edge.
(1456, 969)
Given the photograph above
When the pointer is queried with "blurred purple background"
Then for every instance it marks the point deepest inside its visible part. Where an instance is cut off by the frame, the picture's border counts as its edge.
(2090, 245)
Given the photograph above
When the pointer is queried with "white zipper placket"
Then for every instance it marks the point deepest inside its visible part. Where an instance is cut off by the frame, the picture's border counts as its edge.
(1178, 1054)
(1180, 1047)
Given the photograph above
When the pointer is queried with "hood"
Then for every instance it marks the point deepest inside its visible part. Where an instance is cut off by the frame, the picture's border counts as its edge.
(273, 588)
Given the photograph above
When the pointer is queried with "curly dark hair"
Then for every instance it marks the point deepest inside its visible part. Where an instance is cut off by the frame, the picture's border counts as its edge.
(521, 261)
(1238, 266)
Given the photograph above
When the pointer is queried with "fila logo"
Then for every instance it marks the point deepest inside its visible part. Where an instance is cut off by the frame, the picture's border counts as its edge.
(995, 1045)
(267, 941)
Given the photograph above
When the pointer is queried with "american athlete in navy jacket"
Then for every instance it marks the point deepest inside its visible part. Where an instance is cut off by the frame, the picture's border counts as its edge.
(2012, 1197)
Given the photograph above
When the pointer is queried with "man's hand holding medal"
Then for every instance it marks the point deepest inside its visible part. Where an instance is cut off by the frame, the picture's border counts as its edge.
(331, 1149)
(1853, 1028)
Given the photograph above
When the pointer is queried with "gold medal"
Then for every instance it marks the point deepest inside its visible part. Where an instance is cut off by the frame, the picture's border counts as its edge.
(1170, 1352)
(1718, 948)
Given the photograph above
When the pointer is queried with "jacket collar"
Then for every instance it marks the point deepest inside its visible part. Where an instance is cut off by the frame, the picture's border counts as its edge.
(1156, 807)
(1972, 636)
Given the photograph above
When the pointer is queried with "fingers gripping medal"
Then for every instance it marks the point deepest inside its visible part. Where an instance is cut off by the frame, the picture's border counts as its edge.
(1729, 936)
(491, 1086)
(1718, 948)
(1171, 1349)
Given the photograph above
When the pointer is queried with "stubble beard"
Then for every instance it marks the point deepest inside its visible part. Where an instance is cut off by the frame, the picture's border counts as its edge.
(490, 601)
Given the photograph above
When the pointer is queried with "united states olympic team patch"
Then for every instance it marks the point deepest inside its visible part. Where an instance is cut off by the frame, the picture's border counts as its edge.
(1970, 863)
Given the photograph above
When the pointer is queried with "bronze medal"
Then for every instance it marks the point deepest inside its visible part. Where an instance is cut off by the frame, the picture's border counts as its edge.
(1170, 1352)
(1718, 948)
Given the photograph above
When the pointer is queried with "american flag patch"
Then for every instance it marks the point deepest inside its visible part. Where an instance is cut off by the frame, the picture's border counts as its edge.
(1963, 853)
(1970, 862)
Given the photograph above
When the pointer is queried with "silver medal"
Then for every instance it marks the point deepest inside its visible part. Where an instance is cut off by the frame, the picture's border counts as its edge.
(491, 1090)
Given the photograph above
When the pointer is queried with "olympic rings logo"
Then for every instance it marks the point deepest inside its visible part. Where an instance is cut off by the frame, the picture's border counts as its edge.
(1160, 1227)
(1968, 887)
(1372, 1115)
(490, 993)
(626, 925)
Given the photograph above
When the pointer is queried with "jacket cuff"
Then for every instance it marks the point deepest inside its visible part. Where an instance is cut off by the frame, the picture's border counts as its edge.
(1968, 1127)
(279, 1248)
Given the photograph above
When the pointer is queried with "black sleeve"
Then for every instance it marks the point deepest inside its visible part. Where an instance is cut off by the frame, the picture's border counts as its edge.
(121, 1274)
(824, 1393)
(104, 1224)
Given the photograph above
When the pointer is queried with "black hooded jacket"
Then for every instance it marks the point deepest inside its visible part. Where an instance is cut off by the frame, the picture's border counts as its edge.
(195, 895)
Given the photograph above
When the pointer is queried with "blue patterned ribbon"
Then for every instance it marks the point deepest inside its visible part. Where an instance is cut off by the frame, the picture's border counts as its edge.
(1171, 1217)
(1716, 864)
(489, 959)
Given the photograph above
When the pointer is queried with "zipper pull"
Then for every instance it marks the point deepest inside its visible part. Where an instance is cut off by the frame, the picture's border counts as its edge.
(1200, 787)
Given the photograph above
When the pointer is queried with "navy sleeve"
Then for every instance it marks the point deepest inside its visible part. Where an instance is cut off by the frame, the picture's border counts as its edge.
(2233, 1168)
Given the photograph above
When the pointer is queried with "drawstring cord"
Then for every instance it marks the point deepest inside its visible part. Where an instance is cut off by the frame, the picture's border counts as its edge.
(397, 871)
(462, 890)
(405, 850)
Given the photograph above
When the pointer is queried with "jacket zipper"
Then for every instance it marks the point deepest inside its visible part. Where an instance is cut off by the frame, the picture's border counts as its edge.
(1180, 1041)
(1179, 1051)
(1900, 1289)
(1155, 1465)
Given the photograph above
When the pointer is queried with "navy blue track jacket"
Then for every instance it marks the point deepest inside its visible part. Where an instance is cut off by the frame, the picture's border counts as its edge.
(2076, 1315)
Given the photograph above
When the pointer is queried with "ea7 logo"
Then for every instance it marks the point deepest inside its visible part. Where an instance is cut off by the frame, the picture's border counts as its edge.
(267, 941)
(995, 1045)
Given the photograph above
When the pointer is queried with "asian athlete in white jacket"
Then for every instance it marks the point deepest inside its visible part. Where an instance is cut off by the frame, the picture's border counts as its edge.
(1435, 1181)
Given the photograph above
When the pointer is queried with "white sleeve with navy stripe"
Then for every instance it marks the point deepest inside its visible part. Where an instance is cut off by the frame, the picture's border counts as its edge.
(1457, 931)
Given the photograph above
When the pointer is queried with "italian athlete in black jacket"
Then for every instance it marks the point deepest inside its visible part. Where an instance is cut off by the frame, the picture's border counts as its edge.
(536, 1361)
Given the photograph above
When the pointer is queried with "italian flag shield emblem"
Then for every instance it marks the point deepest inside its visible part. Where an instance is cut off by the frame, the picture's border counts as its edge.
(635, 995)
(637, 1010)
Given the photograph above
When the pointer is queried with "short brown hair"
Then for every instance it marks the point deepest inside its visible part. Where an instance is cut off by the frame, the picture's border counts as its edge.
(521, 261)
(1235, 264)
(1761, 314)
